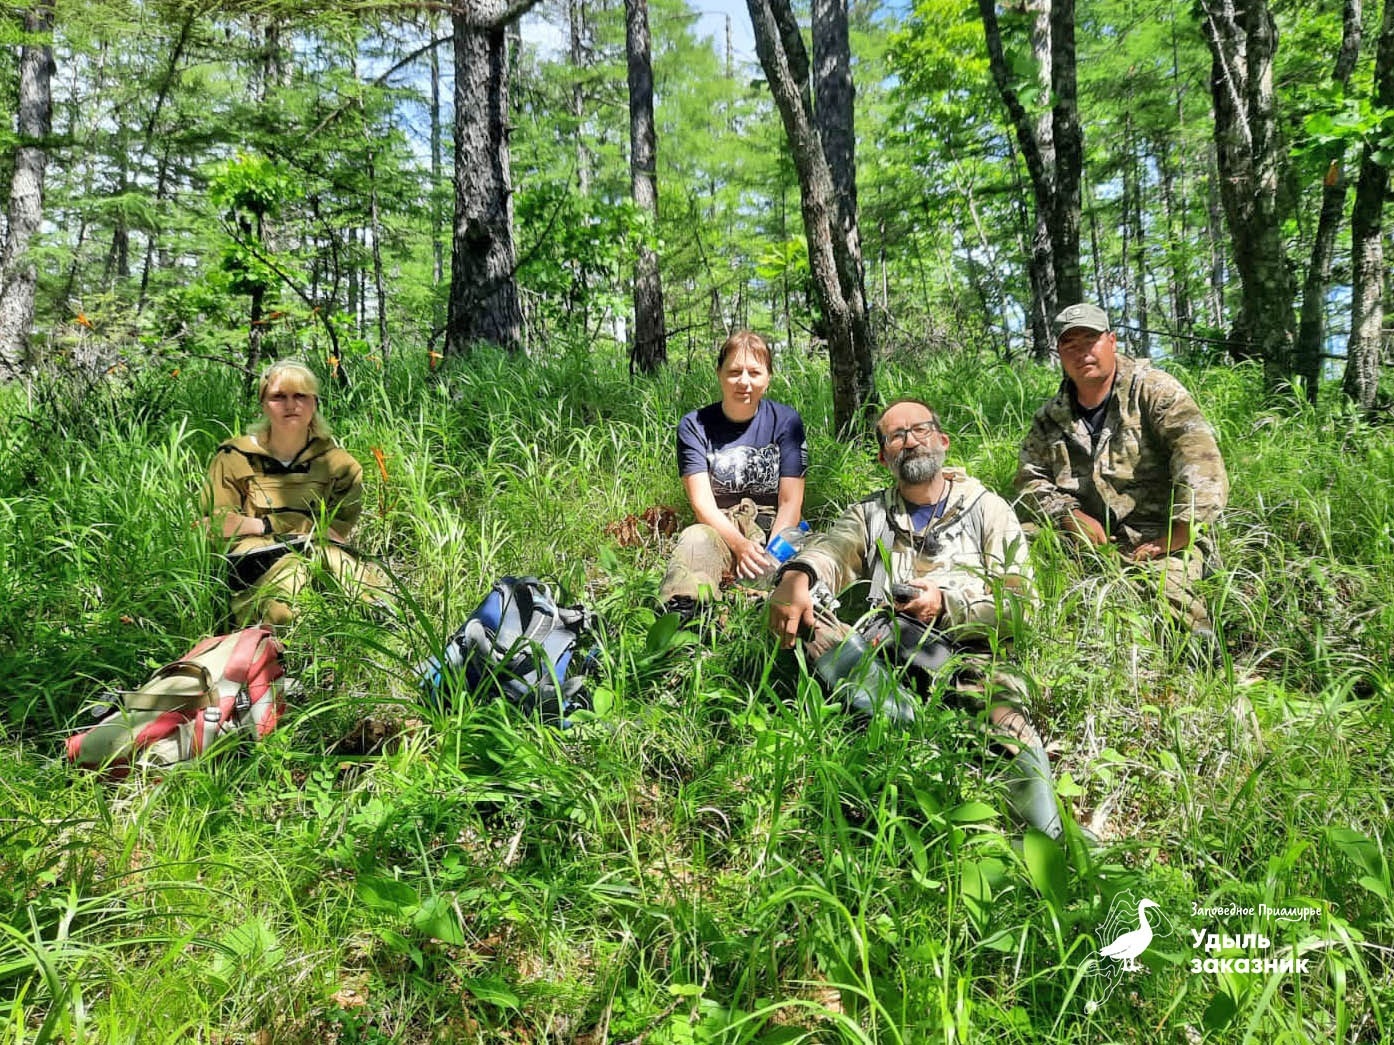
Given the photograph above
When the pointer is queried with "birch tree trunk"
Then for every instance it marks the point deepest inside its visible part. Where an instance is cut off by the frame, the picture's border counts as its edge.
(18, 275)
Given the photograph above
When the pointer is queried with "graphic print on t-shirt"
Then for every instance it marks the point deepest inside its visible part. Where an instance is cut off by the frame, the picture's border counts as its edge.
(746, 471)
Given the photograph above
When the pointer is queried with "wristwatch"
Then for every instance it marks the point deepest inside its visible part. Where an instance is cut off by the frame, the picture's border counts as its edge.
(793, 566)
(266, 526)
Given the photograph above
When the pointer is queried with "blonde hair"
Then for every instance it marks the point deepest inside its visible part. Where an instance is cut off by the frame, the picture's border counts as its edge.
(745, 341)
(292, 376)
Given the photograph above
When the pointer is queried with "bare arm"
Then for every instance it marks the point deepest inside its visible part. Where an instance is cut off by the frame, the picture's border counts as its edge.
(790, 508)
(751, 559)
(1081, 522)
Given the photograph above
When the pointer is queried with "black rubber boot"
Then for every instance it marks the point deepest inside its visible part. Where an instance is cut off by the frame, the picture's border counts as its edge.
(851, 672)
(685, 606)
(1031, 791)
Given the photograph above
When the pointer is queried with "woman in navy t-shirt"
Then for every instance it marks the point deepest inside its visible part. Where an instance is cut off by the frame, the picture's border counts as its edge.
(742, 462)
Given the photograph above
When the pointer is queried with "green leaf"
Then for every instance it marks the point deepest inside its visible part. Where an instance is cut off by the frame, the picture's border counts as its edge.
(1067, 787)
(1219, 1012)
(602, 700)
(436, 918)
(972, 812)
(386, 894)
(492, 990)
(1364, 852)
(401, 945)
(660, 636)
(1375, 886)
(1045, 860)
(685, 990)
(977, 893)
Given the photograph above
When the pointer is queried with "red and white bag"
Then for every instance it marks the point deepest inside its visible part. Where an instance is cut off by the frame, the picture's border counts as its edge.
(226, 685)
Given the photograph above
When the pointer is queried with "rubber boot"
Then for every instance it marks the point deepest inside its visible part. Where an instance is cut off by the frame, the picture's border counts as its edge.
(851, 671)
(1031, 792)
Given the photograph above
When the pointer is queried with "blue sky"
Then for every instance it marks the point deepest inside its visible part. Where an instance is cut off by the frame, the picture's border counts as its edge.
(711, 22)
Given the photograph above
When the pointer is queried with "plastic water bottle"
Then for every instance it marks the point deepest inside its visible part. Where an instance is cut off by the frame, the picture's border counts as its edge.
(786, 543)
(782, 547)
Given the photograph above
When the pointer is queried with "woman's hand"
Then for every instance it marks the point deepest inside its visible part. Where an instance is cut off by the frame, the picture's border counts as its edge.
(235, 525)
(751, 559)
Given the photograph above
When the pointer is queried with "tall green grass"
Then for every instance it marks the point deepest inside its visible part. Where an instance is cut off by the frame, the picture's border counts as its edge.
(719, 855)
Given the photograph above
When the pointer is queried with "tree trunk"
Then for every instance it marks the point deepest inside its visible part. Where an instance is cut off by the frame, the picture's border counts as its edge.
(118, 259)
(1052, 146)
(1214, 221)
(1127, 232)
(576, 23)
(1135, 254)
(1243, 41)
(834, 98)
(785, 62)
(1311, 332)
(1361, 381)
(650, 348)
(1069, 152)
(1177, 243)
(18, 275)
(437, 215)
(483, 290)
(379, 282)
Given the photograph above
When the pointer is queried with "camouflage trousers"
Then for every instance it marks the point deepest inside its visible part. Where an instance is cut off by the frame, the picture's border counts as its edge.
(1174, 577)
(701, 558)
(270, 599)
(991, 692)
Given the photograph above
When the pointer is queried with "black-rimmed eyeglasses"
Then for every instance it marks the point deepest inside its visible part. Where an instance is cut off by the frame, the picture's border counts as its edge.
(921, 432)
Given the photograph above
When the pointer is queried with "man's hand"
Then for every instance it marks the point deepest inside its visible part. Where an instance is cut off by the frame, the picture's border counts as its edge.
(751, 559)
(791, 608)
(927, 605)
(1086, 526)
(1148, 550)
(1155, 549)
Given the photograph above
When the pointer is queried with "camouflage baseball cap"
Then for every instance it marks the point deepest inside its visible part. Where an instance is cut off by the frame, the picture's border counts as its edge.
(1082, 316)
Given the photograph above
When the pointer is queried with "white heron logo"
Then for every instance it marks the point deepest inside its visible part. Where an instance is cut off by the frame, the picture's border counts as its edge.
(1125, 943)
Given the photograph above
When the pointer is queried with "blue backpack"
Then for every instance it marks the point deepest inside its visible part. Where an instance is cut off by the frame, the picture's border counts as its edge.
(519, 644)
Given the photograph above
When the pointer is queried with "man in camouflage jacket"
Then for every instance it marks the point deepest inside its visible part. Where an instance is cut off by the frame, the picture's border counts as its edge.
(1121, 456)
(951, 558)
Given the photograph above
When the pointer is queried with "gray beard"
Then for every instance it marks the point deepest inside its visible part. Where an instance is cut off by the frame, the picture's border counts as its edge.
(919, 464)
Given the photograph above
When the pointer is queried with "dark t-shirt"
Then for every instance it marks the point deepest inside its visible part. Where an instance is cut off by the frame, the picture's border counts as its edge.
(743, 458)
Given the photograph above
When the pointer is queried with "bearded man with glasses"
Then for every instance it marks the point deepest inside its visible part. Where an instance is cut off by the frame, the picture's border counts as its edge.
(947, 580)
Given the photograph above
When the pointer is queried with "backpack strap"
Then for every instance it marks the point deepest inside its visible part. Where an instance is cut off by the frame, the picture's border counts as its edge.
(537, 612)
(880, 540)
(878, 547)
(239, 661)
(179, 669)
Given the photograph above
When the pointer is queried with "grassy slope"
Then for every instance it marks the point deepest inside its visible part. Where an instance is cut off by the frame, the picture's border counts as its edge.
(719, 857)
